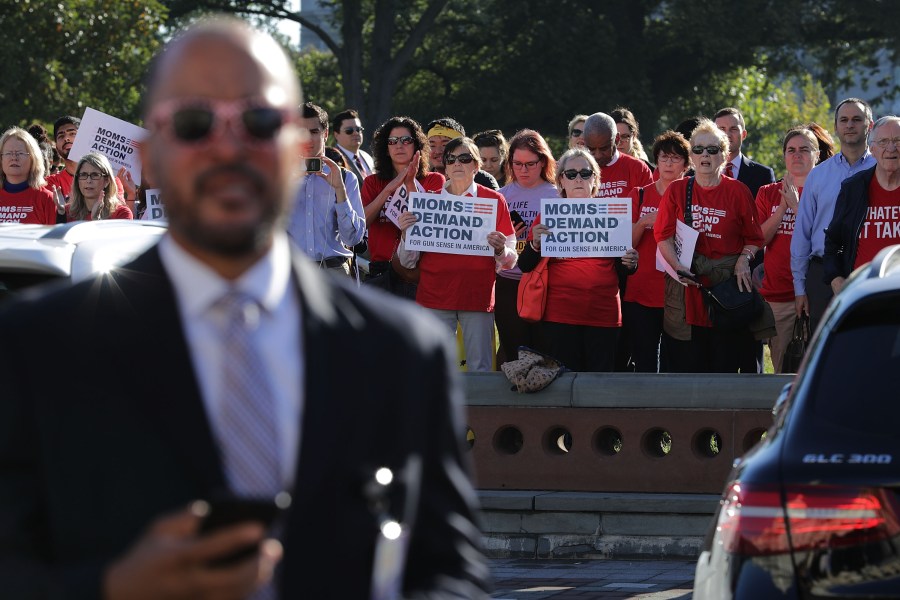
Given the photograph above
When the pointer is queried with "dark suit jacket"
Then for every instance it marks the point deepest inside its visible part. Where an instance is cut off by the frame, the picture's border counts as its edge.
(754, 175)
(102, 429)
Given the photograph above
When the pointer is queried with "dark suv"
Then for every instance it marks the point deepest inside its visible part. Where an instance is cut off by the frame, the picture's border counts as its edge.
(813, 510)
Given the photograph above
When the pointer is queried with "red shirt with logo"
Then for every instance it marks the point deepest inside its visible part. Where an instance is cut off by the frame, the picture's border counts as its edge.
(778, 283)
(28, 206)
(724, 215)
(881, 227)
(459, 281)
(618, 178)
(582, 291)
(383, 234)
(646, 286)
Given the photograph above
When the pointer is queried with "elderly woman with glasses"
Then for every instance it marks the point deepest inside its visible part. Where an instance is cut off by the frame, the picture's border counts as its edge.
(398, 148)
(642, 304)
(583, 313)
(576, 131)
(459, 289)
(94, 193)
(23, 197)
(722, 211)
(531, 171)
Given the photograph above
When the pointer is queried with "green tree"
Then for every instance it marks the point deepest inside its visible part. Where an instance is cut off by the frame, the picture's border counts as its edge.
(770, 107)
(71, 54)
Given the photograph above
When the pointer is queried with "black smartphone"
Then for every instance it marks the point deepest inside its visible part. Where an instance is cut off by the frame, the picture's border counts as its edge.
(516, 218)
(313, 165)
(225, 511)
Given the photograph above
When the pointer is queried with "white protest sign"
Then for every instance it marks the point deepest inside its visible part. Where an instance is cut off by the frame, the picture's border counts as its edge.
(154, 210)
(685, 240)
(398, 203)
(112, 137)
(582, 227)
(451, 224)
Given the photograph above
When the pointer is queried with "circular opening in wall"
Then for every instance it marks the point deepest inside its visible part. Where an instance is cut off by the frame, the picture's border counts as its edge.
(657, 442)
(707, 443)
(753, 437)
(470, 437)
(508, 440)
(557, 440)
(608, 441)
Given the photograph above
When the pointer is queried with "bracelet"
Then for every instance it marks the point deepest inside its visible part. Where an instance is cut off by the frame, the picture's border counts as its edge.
(535, 248)
(748, 254)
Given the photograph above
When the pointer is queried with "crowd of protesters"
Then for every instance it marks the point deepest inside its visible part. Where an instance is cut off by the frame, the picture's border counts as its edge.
(602, 314)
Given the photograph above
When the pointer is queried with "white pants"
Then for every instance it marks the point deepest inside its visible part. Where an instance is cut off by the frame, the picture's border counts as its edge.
(478, 335)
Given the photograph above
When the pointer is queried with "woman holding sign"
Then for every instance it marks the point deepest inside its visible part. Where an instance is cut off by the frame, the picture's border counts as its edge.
(723, 212)
(459, 288)
(397, 148)
(583, 314)
(94, 195)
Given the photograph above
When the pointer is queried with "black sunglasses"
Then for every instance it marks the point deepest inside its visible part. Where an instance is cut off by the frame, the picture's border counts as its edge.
(406, 140)
(192, 122)
(349, 130)
(463, 158)
(577, 132)
(572, 173)
(710, 149)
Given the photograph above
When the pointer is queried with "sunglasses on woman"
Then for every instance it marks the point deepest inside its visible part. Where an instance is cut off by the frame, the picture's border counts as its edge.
(406, 140)
(573, 173)
(199, 120)
(711, 150)
(463, 158)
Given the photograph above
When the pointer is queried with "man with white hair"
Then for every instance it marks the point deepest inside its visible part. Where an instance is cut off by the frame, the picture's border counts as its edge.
(867, 215)
(619, 173)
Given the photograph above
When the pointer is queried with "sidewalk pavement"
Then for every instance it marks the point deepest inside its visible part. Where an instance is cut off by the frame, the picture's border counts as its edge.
(530, 579)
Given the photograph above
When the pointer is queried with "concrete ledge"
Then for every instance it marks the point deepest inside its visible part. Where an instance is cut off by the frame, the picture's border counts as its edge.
(540, 524)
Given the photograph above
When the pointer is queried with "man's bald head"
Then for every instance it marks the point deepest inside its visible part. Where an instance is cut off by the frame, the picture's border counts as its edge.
(259, 47)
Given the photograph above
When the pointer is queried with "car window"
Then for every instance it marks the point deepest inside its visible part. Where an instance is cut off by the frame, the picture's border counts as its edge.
(12, 285)
(856, 382)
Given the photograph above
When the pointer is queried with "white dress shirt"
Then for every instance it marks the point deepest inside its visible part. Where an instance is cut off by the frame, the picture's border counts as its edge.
(278, 337)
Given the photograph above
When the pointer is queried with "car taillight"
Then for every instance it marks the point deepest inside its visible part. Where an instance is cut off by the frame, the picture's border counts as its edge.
(752, 520)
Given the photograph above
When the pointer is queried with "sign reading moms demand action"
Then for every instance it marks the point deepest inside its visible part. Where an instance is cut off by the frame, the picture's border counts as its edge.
(112, 137)
(451, 224)
(582, 227)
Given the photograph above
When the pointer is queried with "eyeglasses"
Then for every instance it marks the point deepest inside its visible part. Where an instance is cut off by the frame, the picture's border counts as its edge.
(525, 165)
(885, 142)
(463, 158)
(669, 158)
(577, 132)
(200, 120)
(406, 140)
(349, 130)
(572, 173)
(16, 155)
(711, 150)
(92, 176)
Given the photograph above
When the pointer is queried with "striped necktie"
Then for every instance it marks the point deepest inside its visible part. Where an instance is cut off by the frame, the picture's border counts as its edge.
(362, 167)
(729, 169)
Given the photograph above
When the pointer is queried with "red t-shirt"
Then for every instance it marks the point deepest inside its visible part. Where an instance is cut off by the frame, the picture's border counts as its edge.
(778, 283)
(462, 282)
(28, 206)
(119, 212)
(384, 235)
(64, 181)
(881, 227)
(582, 291)
(646, 286)
(619, 178)
(726, 219)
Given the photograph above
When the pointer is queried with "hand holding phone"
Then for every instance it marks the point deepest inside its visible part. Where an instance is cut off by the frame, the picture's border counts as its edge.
(313, 165)
(225, 511)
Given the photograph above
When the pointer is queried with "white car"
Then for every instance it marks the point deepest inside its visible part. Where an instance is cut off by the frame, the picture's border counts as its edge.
(35, 254)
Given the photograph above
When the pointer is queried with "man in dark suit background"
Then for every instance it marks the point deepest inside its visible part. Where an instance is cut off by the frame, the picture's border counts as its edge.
(99, 460)
(754, 176)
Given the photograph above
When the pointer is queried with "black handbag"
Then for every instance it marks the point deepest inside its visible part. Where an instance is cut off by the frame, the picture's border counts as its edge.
(729, 307)
(796, 348)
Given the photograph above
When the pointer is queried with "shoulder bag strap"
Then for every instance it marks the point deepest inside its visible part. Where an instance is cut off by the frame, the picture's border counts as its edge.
(688, 213)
